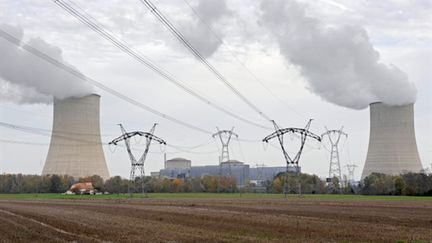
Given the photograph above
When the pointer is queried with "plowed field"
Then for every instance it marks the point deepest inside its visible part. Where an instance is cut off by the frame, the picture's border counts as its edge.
(207, 220)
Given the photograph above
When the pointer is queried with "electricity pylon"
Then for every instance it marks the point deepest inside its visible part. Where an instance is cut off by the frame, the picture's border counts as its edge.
(334, 136)
(260, 172)
(351, 169)
(137, 164)
(225, 150)
(304, 134)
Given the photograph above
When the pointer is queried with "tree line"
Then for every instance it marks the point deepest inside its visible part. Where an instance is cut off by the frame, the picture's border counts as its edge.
(418, 184)
(410, 184)
(19, 183)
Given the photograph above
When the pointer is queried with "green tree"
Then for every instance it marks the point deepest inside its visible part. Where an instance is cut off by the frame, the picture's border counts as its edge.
(55, 184)
(400, 185)
(116, 185)
(417, 184)
(378, 184)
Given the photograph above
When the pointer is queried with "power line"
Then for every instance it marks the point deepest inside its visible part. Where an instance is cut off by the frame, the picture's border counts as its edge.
(22, 142)
(208, 141)
(255, 77)
(66, 136)
(179, 149)
(43, 132)
(85, 78)
(143, 60)
(198, 55)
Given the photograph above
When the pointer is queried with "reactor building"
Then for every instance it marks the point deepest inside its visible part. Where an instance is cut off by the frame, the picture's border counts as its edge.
(76, 146)
(392, 142)
(182, 168)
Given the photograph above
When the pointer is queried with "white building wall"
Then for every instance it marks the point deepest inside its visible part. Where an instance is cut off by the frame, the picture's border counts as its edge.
(178, 163)
(392, 143)
(76, 147)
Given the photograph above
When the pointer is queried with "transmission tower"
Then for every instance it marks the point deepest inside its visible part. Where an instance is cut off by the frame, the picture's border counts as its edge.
(351, 169)
(304, 134)
(334, 136)
(137, 164)
(225, 140)
(260, 172)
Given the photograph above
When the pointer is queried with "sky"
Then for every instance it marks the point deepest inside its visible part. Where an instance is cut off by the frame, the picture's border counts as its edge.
(294, 60)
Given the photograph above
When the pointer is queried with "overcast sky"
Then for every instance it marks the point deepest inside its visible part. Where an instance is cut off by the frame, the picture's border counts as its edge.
(324, 59)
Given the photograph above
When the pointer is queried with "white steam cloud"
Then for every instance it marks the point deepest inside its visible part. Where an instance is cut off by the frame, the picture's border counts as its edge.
(212, 11)
(25, 78)
(339, 63)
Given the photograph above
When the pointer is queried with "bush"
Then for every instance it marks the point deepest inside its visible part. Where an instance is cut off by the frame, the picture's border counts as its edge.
(18, 183)
(410, 184)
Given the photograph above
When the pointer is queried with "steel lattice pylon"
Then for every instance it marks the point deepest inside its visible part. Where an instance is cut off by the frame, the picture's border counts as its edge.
(334, 137)
(225, 144)
(304, 134)
(260, 171)
(137, 164)
(351, 169)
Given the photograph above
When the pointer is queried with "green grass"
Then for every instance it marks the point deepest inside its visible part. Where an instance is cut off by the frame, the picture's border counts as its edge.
(211, 195)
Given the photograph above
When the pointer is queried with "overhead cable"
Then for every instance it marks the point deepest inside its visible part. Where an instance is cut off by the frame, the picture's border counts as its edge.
(81, 142)
(255, 77)
(85, 78)
(199, 56)
(82, 17)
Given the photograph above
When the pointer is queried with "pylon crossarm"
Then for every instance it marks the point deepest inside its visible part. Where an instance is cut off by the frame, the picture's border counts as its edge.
(338, 133)
(313, 136)
(293, 130)
(140, 163)
(229, 132)
(150, 137)
(126, 136)
(157, 139)
(304, 134)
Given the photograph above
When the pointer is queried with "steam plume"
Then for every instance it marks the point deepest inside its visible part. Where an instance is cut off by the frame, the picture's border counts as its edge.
(212, 11)
(339, 63)
(25, 78)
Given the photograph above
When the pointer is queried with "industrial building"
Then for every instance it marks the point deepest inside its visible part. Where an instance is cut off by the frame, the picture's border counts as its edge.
(268, 173)
(76, 146)
(392, 142)
(181, 168)
(239, 170)
(177, 163)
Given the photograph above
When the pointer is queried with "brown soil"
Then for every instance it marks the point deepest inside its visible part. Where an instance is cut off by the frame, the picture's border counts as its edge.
(210, 220)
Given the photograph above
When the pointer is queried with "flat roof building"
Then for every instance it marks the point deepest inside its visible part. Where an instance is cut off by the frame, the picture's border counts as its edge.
(181, 168)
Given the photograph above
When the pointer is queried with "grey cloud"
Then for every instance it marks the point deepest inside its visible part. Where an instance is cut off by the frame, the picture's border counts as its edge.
(339, 63)
(197, 32)
(212, 10)
(13, 93)
(28, 79)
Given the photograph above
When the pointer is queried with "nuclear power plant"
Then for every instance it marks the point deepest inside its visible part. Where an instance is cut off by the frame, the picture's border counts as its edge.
(392, 142)
(76, 147)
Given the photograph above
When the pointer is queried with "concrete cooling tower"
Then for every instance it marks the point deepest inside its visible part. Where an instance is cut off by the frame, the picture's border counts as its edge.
(392, 142)
(76, 147)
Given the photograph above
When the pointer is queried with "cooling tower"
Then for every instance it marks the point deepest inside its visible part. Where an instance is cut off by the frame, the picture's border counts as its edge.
(76, 147)
(392, 143)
